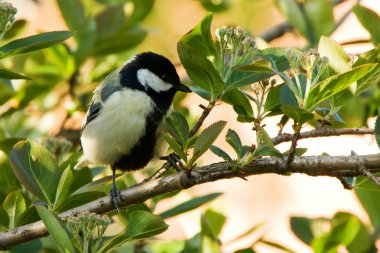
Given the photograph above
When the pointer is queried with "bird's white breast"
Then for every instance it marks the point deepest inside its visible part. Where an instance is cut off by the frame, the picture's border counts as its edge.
(118, 127)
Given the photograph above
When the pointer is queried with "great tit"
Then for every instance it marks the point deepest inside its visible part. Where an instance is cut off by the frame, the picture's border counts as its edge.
(123, 123)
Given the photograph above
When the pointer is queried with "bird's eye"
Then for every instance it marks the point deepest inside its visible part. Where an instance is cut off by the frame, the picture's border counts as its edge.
(164, 77)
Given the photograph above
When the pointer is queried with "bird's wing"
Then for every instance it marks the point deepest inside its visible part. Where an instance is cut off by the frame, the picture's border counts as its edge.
(110, 85)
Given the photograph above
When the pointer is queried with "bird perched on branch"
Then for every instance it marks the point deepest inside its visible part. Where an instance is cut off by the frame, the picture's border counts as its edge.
(122, 125)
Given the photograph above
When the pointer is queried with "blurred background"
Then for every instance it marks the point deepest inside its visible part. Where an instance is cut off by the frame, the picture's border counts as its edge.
(269, 200)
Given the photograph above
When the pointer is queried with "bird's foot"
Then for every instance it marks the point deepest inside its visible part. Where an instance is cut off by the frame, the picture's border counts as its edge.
(174, 161)
(115, 196)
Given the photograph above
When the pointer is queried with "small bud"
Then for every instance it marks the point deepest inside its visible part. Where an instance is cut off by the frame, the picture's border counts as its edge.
(293, 59)
(7, 17)
(239, 32)
(249, 44)
(220, 33)
(309, 59)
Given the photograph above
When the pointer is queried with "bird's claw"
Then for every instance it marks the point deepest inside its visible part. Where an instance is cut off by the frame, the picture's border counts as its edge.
(174, 160)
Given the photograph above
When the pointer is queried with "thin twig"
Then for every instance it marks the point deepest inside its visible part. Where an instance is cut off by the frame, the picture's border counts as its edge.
(362, 169)
(323, 132)
(205, 113)
(293, 146)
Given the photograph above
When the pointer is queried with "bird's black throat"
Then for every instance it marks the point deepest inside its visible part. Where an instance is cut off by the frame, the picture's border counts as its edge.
(143, 151)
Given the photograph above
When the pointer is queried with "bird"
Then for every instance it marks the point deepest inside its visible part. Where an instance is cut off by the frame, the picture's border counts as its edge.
(123, 124)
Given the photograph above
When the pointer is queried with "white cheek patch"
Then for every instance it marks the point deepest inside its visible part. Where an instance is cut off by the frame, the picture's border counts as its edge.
(150, 80)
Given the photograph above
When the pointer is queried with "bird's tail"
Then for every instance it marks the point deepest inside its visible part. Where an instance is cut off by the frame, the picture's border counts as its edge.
(82, 162)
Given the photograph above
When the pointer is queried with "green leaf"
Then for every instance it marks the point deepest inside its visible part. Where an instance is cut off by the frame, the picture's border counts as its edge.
(264, 150)
(377, 131)
(193, 244)
(63, 187)
(298, 114)
(199, 38)
(287, 97)
(175, 146)
(209, 240)
(370, 20)
(254, 67)
(246, 250)
(334, 84)
(141, 9)
(201, 92)
(264, 145)
(7, 144)
(302, 228)
(200, 69)
(109, 21)
(369, 201)
(277, 56)
(178, 127)
(373, 78)
(320, 16)
(216, 220)
(299, 152)
(8, 180)
(75, 200)
(294, 14)
(17, 27)
(36, 169)
(215, 6)
(6, 74)
(258, 65)
(363, 241)
(101, 184)
(206, 139)
(339, 60)
(221, 153)
(14, 205)
(143, 224)
(273, 101)
(243, 78)
(233, 139)
(81, 178)
(29, 216)
(73, 13)
(86, 40)
(251, 230)
(4, 219)
(33, 43)
(126, 38)
(84, 27)
(189, 205)
(240, 103)
(56, 229)
(276, 245)
(345, 229)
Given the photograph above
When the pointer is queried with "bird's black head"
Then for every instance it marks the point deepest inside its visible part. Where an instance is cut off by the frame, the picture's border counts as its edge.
(155, 75)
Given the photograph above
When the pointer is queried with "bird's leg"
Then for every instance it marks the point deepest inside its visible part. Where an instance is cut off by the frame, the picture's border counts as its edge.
(115, 192)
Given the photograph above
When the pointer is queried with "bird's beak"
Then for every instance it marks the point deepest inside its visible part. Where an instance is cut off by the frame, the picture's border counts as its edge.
(182, 87)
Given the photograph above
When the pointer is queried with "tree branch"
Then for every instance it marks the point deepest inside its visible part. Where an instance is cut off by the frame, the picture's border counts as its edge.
(322, 132)
(335, 166)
